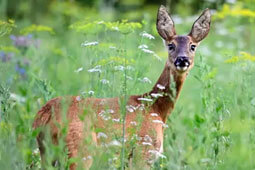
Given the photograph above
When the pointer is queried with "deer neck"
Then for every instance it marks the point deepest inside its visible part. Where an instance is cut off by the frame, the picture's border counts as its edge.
(166, 91)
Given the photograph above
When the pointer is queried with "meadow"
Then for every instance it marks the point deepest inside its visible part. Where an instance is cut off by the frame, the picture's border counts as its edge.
(67, 53)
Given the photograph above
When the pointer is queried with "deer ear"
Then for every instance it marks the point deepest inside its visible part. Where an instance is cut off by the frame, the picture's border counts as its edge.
(165, 24)
(201, 26)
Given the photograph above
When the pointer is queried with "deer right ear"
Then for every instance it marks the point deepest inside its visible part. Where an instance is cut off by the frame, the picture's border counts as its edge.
(201, 26)
(165, 24)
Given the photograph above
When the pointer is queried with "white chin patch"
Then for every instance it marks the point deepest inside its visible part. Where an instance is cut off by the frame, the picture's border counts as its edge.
(182, 68)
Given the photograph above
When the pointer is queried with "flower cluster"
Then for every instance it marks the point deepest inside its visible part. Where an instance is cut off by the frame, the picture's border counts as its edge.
(11, 53)
(6, 27)
(5, 57)
(37, 28)
(116, 60)
(244, 57)
(145, 49)
(236, 11)
(123, 26)
(24, 41)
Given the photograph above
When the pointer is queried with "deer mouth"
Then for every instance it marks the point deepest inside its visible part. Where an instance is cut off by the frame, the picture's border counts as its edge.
(182, 68)
(182, 64)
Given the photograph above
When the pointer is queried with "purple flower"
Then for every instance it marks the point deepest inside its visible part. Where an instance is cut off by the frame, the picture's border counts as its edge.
(21, 41)
(5, 57)
(20, 70)
(24, 41)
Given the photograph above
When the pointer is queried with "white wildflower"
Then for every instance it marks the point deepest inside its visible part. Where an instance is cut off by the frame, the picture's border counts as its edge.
(114, 143)
(147, 138)
(165, 125)
(129, 78)
(85, 44)
(157, 154)
(115, 28)
(104, 81)
(119, 68)
(87, 158)
(154, 114)
(145, 99)
(112, 47)
(133, 123)
(143, 46)
(101, 135)
(160, 87)
(147, 35)
(104, 115)
(147, 143)
(78, 98)
(91, 92)
(147, 51)
(100, 22)
(116, 120)
(36, 151)
(78, 70)
(110, 111)
(130, 108)
(156, 95)
(95, 69)
(141, 107)
(145, 80)
(157, 57)
(160, 122)
(17, 98)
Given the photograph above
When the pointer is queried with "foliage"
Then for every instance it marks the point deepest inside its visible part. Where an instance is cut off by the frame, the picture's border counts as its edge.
(94, 27)
(236, 11)
(36, 28)
(211, 127)
(6, 27)
(244, 57)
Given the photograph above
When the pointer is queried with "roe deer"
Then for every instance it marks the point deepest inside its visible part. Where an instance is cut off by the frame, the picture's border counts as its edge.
(154, 112)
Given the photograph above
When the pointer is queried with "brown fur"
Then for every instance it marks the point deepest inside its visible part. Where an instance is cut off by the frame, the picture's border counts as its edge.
(79, 129)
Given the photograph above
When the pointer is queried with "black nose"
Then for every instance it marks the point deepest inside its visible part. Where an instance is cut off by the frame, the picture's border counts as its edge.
(182, 61)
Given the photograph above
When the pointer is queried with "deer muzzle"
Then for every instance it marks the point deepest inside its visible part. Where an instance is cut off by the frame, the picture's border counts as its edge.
(182, 63)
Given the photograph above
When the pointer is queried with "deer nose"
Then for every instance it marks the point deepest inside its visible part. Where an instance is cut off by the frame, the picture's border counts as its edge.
(182, 61)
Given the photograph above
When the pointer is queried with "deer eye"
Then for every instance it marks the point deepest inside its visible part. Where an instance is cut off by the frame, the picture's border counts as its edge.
(171, 47)
(192, 47)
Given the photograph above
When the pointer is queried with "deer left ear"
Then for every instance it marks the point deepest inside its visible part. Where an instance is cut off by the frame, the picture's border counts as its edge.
(165, 24)
(201, 26)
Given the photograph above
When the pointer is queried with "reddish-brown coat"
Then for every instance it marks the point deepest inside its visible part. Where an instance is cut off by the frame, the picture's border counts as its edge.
(170, 81)
(51, 113)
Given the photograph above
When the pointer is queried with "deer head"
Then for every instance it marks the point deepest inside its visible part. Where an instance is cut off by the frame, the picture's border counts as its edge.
(182, 48)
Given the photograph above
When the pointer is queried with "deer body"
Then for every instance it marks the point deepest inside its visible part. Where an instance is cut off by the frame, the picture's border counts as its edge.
(106, 113)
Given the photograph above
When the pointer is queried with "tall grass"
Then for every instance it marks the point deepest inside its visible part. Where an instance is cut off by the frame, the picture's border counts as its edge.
(212, 126)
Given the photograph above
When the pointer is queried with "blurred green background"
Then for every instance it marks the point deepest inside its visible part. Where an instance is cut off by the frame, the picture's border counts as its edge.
(52, 48)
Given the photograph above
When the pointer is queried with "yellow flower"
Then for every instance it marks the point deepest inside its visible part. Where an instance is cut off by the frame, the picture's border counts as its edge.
(244, 57)
(236, 11)
(115, 60)
(233, 59)
(37, 28)
(9, 49)
(123, 26)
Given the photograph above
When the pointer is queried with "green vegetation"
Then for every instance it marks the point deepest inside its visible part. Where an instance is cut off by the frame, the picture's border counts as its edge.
(72, 49)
